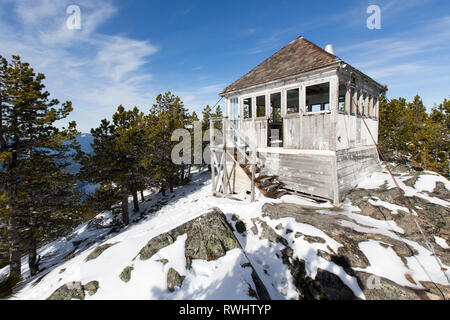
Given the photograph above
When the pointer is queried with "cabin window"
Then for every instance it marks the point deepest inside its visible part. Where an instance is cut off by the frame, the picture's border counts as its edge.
(261, 106)
(275, 108)
(341, 99)
(234, 109)
(293, 100)
(247, 108)
(318, 97)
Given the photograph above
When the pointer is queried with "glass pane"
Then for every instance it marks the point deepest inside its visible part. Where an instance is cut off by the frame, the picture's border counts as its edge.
(234, 109)
(275, 108)
(318, 97)
(261, 106)
(247, 108)
(293, 100)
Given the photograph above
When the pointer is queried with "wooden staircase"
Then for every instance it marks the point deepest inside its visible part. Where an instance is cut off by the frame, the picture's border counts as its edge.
(268, 185)
(234, 143)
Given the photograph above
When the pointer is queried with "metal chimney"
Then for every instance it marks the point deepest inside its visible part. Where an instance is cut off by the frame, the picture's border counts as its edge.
(329, 48)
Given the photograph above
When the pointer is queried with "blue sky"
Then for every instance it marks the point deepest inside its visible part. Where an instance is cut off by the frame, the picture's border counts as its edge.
(128, 51)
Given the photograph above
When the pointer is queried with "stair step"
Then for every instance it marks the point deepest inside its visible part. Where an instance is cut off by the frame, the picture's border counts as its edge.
(276, 194)
(264, 178)
(272, 186)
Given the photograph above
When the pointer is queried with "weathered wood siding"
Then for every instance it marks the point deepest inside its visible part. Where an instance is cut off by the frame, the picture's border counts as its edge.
(305, 171)
(351, 131)
(355, 165)
(256, 130)
(292, 127)
(308, 131)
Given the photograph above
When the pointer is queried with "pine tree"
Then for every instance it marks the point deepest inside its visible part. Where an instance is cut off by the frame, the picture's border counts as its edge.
(118, 155)
(166, 115)
(31, 150)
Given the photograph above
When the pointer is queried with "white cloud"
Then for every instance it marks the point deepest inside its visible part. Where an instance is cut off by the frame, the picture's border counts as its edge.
(96, 71)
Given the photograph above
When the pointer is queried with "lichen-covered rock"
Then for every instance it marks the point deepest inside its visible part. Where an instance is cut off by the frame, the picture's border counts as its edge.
(174, 280)
(209, 237)
(125, 275)
(156, 244)
(69, 291)
(92, 287)
(98, 251)
(163, 261)
(268, 233)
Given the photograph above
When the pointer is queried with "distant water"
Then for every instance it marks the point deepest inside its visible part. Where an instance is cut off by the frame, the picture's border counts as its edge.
(85, 140)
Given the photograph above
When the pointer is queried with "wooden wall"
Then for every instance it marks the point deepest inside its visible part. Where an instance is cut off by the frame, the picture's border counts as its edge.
(308, 172)
(256, 130)
(351, 131)
(355, 165)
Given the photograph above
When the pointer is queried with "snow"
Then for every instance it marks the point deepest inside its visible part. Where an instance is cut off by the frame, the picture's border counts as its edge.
(441, 242)
(390, 206)
(427, 182)
(224, 278)
(384, 262)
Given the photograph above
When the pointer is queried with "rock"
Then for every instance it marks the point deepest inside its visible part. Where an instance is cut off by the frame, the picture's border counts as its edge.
(312, 239)
(69, 291)
(174, 280)
(125, 275)
(270, 234)
(163, 261)
(379, 288)
(98, 251)
(240, 226)
(209, 237)
(154, 245)
(91, 287)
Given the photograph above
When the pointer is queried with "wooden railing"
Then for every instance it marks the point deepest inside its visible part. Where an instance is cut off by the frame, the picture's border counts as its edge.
(240, 144)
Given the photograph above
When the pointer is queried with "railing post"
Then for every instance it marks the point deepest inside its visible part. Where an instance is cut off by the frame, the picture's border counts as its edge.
(212, 153)
(253, 174)
(225, 174)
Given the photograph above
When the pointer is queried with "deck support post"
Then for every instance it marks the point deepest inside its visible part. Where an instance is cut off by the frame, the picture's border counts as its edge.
(224, 164)
(212, 156)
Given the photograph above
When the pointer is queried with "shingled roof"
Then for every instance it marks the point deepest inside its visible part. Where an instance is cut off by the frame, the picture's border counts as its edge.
(297, 57)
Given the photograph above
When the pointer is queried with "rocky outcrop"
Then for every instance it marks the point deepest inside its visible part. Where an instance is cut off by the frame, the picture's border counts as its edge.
(98, 251)
(209, 237)
(74, 291)
(69, 291)
(349, 256)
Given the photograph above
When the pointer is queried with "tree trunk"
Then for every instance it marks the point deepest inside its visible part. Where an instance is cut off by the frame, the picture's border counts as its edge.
(33, 262)
(135, 201)
(125, 217)
(142, 196)
(14, 245)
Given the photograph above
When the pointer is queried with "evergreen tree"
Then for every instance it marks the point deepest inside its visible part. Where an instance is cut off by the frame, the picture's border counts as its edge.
(31, 154)
(166, 115)
(118, 156)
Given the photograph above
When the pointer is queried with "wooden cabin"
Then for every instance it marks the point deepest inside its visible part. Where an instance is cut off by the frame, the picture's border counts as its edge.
(302, 121)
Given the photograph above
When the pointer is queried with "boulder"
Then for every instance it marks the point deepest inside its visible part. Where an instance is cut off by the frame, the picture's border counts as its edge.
(91, 287)
(125, 275)
(98, 251)
(69, 291)
(209, 237)
(174, 280)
